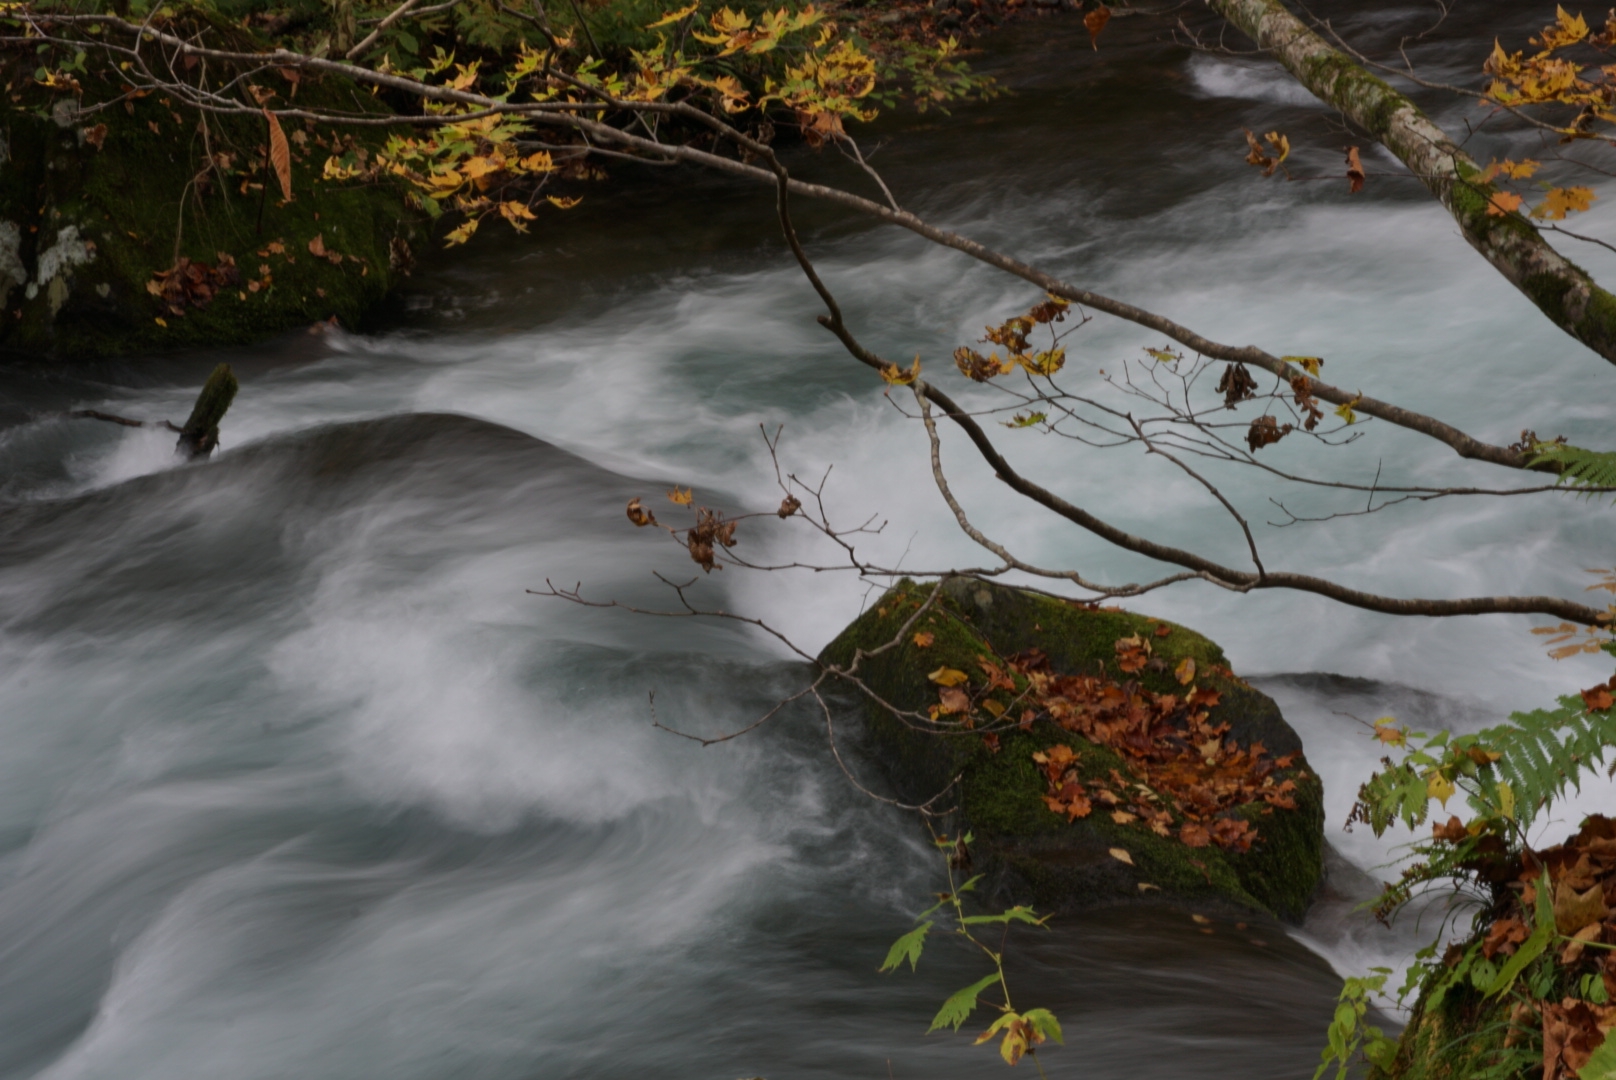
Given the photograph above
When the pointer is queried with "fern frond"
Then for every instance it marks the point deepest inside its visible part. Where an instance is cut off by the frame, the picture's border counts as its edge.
(1578, 467)
(1545, 752)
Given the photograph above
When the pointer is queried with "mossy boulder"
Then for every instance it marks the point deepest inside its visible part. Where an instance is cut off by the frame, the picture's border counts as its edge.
(96, 203)
(1032, 853)
(1460, 1036)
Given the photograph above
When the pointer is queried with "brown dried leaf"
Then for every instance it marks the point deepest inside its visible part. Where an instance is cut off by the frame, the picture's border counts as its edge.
(280, 155)
(1355, 173)
(638, 514)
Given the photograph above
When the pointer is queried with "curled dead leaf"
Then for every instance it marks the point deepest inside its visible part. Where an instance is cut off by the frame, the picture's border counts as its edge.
(788, 506)
(1355, 172)
(639, 515)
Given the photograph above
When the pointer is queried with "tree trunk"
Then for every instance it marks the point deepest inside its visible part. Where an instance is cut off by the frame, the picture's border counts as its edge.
(1562, 290)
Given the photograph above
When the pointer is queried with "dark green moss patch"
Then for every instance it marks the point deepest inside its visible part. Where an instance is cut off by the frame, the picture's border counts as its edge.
(1032, 853)
(95, 224)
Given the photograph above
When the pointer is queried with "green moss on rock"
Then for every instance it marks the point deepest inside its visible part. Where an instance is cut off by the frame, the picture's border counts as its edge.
(1034, 854)
(93, 225)
(1462, 1037)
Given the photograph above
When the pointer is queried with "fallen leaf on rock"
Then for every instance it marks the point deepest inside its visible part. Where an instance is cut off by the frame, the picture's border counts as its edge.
(1121, 855)
(1574, 910)
(924, 639)
(947, 676)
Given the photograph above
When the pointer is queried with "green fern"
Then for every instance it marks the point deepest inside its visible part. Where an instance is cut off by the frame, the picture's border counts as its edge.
(1578, 467)
(1536, 755)
(1544, 752)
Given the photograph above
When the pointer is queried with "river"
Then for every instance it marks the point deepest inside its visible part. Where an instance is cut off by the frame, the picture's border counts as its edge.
(297, 779)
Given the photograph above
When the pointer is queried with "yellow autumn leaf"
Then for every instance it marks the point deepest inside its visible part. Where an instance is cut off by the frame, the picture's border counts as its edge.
(1344, 411)
(1562, 201)
(1185, 672)
(1439, 787)
(1310, 364)
(947, 676)
(1506, 800)
(1121, 855)
(681, 496)
(673, 16)
(894, 375)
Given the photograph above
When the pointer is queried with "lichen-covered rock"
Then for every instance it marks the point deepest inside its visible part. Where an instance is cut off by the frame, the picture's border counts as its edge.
(95, 206)
(1033, 853)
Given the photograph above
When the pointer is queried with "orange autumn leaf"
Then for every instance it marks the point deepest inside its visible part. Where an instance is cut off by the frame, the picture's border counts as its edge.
(1355, 171)
(681, 496)
(1562, 201)
(924, 639)
(280, 155)
(1094, 22)
(1502, 203)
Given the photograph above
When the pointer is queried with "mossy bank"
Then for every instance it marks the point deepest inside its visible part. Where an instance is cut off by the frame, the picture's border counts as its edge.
(96, 203)
(1032, 853)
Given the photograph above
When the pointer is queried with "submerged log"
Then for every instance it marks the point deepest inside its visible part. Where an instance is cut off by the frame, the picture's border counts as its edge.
(200, 435)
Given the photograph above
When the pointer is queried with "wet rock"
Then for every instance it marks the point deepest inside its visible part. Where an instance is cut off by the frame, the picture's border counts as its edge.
(91, 220)
(1030, 853)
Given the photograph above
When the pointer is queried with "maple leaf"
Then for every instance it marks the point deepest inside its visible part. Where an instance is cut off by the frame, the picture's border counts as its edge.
(1501, 203)
(681, 496)
(1355, 171)
(924, 638)
(1559, 202)
(893, 375)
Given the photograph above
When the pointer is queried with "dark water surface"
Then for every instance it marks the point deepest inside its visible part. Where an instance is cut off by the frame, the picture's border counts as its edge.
(296, 779)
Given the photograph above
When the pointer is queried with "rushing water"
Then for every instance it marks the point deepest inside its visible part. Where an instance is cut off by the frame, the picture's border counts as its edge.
(296, 779)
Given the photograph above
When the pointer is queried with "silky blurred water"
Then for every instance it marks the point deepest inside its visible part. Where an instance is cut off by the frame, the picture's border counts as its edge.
(298, 779)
